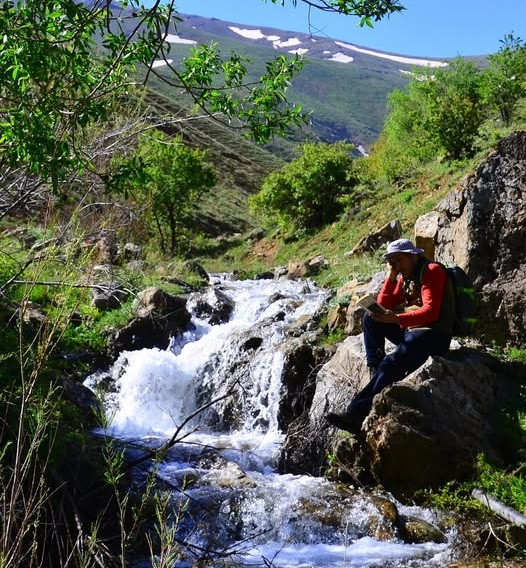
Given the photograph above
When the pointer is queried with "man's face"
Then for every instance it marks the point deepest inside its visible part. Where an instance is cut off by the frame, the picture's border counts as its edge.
(403, 263)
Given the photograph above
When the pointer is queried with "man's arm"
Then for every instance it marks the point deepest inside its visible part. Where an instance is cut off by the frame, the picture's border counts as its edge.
(391, 295)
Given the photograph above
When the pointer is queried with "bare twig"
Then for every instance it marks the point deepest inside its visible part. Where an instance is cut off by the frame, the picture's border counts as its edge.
(175, 439)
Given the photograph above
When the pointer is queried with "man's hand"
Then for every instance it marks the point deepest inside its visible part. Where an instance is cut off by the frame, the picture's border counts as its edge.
(392, 273)
(388, 317)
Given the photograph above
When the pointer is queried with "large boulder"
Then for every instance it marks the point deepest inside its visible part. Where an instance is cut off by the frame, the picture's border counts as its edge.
(481, 227)
(339, 379)
(159, 317)
(429, 428)
(421, 432)
(482, 224)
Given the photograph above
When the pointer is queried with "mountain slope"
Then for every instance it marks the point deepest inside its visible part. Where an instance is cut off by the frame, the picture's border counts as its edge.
(344, 85)
(240, 164)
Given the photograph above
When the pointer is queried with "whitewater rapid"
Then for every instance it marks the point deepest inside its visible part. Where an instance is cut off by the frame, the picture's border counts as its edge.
(256, 514)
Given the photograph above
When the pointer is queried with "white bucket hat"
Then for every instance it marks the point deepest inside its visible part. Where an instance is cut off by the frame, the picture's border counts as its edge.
(401, 245)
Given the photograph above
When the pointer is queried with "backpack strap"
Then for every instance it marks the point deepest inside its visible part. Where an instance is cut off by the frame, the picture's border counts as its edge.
(425, 264)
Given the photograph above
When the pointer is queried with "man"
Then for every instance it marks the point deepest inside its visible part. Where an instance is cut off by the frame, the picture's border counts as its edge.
(420, 310)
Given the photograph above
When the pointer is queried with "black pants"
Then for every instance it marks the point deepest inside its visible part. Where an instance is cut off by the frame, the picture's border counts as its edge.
(413, 348)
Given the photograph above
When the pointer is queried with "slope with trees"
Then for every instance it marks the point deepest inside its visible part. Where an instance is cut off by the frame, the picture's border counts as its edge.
(68, 70)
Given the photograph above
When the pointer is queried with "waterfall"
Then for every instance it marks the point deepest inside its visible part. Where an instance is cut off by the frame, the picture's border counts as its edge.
(237, 501)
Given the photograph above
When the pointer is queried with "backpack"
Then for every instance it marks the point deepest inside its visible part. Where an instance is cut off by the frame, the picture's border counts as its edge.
(465, 299)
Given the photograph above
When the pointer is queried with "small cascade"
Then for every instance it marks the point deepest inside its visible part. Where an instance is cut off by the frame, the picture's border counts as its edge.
(226, 374)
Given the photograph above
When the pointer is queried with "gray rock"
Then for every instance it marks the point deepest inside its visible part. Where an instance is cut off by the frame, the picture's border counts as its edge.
(32, 314)
(159, 316)
(429, 428)
(82, 397)
(108, 296)
(298, 380)
(130, 252)
(481, 226)
(374, 241)
(339, 379)
(419, 531)
(214, 306)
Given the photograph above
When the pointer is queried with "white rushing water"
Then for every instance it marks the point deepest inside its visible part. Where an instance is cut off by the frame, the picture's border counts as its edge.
(236, 496)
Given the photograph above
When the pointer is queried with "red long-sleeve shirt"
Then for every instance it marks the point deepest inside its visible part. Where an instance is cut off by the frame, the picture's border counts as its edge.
(433, 282)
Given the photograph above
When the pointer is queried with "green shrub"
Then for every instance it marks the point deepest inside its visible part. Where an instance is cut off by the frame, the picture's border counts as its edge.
(507, 486)
(306, 193)
(453, 497)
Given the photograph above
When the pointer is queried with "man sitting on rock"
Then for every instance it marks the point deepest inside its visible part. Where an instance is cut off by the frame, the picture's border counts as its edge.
(420, 310)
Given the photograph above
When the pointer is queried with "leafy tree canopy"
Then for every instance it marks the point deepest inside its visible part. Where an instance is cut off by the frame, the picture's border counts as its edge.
(168, 184)
(63, 64)
(439, 113)
(504, 81)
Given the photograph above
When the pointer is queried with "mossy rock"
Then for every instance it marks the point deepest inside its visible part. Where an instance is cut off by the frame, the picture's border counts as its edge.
(418, 531)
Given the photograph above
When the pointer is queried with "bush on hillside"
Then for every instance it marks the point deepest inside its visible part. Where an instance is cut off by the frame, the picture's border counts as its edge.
(438, 114)
(308, 192)
(504, 81)
(166, 178)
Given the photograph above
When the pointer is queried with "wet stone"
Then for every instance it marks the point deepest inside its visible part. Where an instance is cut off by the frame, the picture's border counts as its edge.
(420, 531)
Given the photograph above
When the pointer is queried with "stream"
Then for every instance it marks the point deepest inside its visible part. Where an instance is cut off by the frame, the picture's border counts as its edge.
(217, 389)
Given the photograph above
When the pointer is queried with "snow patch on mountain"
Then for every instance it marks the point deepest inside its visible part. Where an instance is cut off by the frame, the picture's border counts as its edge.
(250, 34)
(341, 57)
(174, 38)
(276, 41)
(288, 43)
(299, 51)
(161, 63)
(398, 58)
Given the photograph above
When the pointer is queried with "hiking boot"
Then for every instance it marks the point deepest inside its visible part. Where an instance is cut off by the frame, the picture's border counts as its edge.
(344, 422)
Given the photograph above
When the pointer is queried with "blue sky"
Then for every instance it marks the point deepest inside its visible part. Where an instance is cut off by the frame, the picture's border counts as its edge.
(428, 28)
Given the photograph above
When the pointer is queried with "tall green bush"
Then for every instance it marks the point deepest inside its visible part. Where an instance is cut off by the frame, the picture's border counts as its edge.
(307, 192)
(504, 81)
(405, 141)
(456, 108)
(439, 114)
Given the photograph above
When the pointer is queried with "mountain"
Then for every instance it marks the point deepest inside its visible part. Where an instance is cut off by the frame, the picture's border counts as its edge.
(344, 85)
